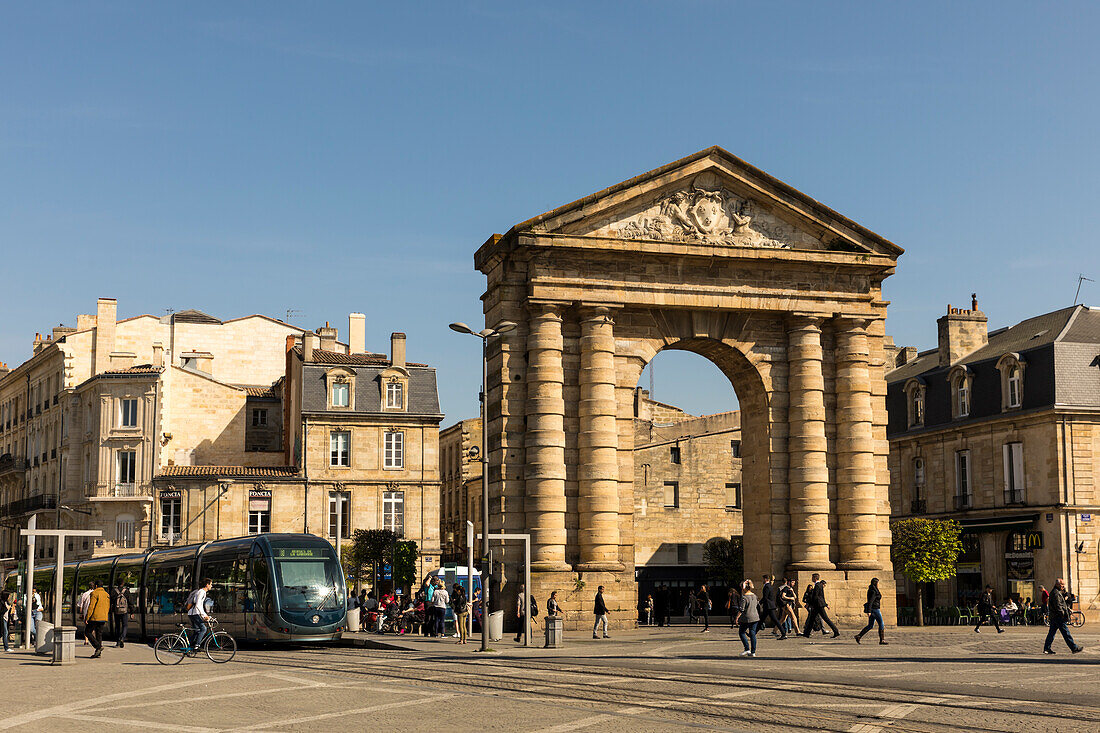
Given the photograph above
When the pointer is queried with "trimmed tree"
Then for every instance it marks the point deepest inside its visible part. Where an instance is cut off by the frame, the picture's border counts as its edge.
(373, 547)
(404, 565)
(725, 559)
(925, 551)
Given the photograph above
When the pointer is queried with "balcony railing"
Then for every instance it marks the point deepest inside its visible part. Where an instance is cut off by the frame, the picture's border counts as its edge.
(29, 504)
(118, 491)
(1014, 496)
(918, 506)
(962, 501)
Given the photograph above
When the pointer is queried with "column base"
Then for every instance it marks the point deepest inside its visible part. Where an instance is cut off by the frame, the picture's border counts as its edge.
(860, 565)
(550, 566)
(812, 565)
(600, 567)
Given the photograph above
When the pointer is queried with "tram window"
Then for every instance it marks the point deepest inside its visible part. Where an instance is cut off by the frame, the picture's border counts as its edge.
(229, 588)
(261, 585)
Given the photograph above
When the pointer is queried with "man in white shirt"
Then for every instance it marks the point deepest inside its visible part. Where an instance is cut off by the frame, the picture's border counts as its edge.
(82, 610)
(440, 600)
(196, 612)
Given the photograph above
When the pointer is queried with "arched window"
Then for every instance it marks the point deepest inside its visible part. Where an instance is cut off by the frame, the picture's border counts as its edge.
(1011, 367)
(960, 378)
(914, 398)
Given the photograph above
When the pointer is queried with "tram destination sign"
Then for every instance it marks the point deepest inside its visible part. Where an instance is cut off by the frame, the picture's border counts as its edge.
(299, 552)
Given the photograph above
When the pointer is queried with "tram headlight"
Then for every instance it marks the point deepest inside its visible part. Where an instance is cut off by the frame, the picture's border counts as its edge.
(316, 619)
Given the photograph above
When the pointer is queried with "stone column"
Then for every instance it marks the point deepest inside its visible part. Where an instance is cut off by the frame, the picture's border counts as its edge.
(807, 447)
(598, 472)
(544, 441)
(855, 473)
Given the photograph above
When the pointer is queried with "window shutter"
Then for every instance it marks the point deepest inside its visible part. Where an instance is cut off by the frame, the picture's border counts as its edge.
(1006, 452)
(1018, 466)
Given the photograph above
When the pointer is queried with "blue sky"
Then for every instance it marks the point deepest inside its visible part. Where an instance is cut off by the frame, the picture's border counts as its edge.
(329, 157)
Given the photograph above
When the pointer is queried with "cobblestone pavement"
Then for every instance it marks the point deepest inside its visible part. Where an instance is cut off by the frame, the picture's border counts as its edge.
(940, 679)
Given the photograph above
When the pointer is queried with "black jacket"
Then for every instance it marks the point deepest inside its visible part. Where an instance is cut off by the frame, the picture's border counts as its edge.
(986, 603)
(768, 596)
(1058, 606)
(817, 598)
(874, 598)
(600, 608)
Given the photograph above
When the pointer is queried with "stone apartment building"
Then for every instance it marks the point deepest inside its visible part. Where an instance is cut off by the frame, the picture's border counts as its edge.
(460, 490)
(358, 450)
(687, 490)
(101, 407)
(1001, 431)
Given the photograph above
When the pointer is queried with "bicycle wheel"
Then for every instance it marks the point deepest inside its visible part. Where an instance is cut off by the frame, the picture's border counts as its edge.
(220, 647)
(170, 649)
(1077, 619)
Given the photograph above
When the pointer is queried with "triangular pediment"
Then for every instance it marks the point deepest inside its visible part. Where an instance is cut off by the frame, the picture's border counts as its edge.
(710, 198)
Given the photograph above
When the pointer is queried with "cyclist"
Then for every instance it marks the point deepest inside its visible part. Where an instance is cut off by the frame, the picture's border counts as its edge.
(196, 612)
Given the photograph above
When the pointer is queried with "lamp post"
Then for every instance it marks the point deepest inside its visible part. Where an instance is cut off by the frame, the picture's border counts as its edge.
(485, 334)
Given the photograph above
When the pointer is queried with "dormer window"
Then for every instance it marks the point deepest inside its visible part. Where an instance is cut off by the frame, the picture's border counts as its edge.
(960, 380)
(1011, 368)
(394, 386)
(341, 389)
(914, 397)
(395, 395)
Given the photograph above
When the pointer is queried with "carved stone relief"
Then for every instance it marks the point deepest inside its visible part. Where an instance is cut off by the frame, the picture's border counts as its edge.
(706, 212)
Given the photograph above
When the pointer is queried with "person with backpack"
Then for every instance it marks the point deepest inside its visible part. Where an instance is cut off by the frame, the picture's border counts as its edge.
(461, 607)
(120, 610)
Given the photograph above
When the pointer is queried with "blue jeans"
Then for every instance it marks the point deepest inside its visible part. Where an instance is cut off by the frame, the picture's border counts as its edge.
(747, 632)
(874, 617)
(201, 629)
(36, 616)
(1062, 626)
(4, 629)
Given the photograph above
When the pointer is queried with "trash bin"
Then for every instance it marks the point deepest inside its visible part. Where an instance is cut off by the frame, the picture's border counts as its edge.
(496, 625)
(555, 631)
(353, 619)
(44, 638)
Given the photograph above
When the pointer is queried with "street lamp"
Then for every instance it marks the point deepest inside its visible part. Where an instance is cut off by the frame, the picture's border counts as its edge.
(485, 334)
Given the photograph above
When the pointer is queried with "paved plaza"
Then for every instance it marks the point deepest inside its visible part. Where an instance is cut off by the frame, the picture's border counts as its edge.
(676, 679)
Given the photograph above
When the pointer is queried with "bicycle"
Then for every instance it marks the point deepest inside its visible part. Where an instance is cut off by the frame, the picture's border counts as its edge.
(1076, 619)
(218, 645)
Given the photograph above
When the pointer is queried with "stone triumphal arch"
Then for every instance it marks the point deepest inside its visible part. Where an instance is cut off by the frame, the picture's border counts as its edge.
(714, 256)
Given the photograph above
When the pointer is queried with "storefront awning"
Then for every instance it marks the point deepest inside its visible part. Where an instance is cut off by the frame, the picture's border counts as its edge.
(998, 524)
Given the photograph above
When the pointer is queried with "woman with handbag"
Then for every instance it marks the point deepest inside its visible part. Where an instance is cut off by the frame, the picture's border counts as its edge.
(748, 618)
(874, 613)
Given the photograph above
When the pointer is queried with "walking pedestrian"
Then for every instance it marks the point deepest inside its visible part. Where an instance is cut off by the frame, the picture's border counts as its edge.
(601, 613)
(787, 598)
(807, 603)
(521, 603)
(36, 615)
(7, 612)
(461, 606)
(817, 608)
(797, 604)
(647, 608)
(987, 608)
(748, 619)
(1059, 610)
(733, 603)
(99, 606)
(440, 600)
(82, 608)
(120, 610)
(769, 600)
(703, 599)
(873, 609)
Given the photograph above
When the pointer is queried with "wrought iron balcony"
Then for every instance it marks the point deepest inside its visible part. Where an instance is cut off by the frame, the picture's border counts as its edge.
(28, 505)
(118, 491)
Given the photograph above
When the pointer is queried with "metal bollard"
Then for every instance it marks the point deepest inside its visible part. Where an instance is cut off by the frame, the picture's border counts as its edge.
(555, 632)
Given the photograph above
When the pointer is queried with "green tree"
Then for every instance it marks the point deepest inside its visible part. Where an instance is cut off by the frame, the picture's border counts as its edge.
(925, 551)
(353, 566)
(373, 547)
(404, 565)
(725, 559)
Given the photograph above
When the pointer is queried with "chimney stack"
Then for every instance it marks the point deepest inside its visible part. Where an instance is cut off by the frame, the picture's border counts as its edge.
(961, 332)
(308, 340)
(158, 354)
(397, 349)
(328, 337)
(357, 333)
(106, 316)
